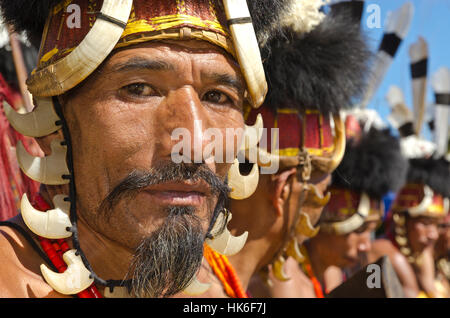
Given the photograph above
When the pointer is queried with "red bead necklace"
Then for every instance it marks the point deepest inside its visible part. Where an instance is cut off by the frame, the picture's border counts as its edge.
(55, 250)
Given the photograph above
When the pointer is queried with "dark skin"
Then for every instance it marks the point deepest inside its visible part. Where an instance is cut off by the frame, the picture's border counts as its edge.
(121, 118)
(422, 235)
(266, 215)
(330, 252)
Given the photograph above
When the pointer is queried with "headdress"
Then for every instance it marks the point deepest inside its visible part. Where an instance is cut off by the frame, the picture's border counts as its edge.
(311, 76)
(75, 37)
(426, 190)
(396, 28)
(372, 166)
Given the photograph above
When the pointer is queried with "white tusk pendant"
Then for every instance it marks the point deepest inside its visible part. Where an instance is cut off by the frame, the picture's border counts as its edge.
(46, 170)
(293, 251)
(252, 134)
(242, 187)
(38, 123)
(225, 243)
(305, 227)
(196, 288)
(75, 279)
(278, 269)
(51, 224)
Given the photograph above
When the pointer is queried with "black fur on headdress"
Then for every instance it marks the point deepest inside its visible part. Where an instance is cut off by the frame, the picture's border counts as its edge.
(433, 172)
(374, 165)
(266, 15)
(325, 69)
(27, 15)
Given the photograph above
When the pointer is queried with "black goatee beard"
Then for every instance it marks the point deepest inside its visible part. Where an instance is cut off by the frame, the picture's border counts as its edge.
(165, 262)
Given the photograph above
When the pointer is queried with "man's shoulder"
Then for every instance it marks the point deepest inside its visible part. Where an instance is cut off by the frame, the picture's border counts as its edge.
(383, 247)
(20, 276)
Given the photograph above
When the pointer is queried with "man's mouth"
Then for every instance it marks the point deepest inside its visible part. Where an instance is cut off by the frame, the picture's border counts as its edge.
(179, 193)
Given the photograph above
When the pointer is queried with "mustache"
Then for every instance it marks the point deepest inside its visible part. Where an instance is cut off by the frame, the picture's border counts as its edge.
(169, 171)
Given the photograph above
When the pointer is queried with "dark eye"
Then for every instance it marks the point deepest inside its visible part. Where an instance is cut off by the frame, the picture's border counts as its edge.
(216, 97)
(361, 229)
(139, 90)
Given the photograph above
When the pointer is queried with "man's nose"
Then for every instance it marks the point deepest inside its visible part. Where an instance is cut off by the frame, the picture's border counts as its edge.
(364, 243)
(181, 125)
(432, 232)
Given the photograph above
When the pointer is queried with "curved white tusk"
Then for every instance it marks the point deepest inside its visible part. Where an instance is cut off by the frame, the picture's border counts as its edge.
(328, 165)
(293, 251)
(356, 220)
(51, 224)
(305, 227)
(46, 170)
(69, 71)
(196, 288)
(75, 278)
(247, 49)
(340, 143)
(317, 197)
(252, 134)
(40, 122)
(423, 206)
(242, 187)
(278, 269)
(401, 240)
(225, 243)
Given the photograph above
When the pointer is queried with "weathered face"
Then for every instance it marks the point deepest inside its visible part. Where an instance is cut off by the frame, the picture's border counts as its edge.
(122, 121)
(422, 232)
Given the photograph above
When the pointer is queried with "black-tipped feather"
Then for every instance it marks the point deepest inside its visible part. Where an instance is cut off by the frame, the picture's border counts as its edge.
(375, 165)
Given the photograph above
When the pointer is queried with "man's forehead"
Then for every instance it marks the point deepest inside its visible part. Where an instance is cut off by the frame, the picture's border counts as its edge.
(156, 56)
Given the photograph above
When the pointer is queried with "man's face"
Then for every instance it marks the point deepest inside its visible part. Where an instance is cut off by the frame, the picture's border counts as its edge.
(347, 249)
(422, 232)
(121, 122)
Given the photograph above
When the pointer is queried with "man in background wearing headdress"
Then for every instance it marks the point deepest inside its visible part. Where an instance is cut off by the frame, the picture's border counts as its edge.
(420, 206)
(372, 166)
(303, 136)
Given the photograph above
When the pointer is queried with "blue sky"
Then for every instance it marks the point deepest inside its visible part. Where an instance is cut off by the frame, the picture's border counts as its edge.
(431, 21)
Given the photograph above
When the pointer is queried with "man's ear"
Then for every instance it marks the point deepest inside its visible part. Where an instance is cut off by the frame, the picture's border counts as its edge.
(282, 189)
